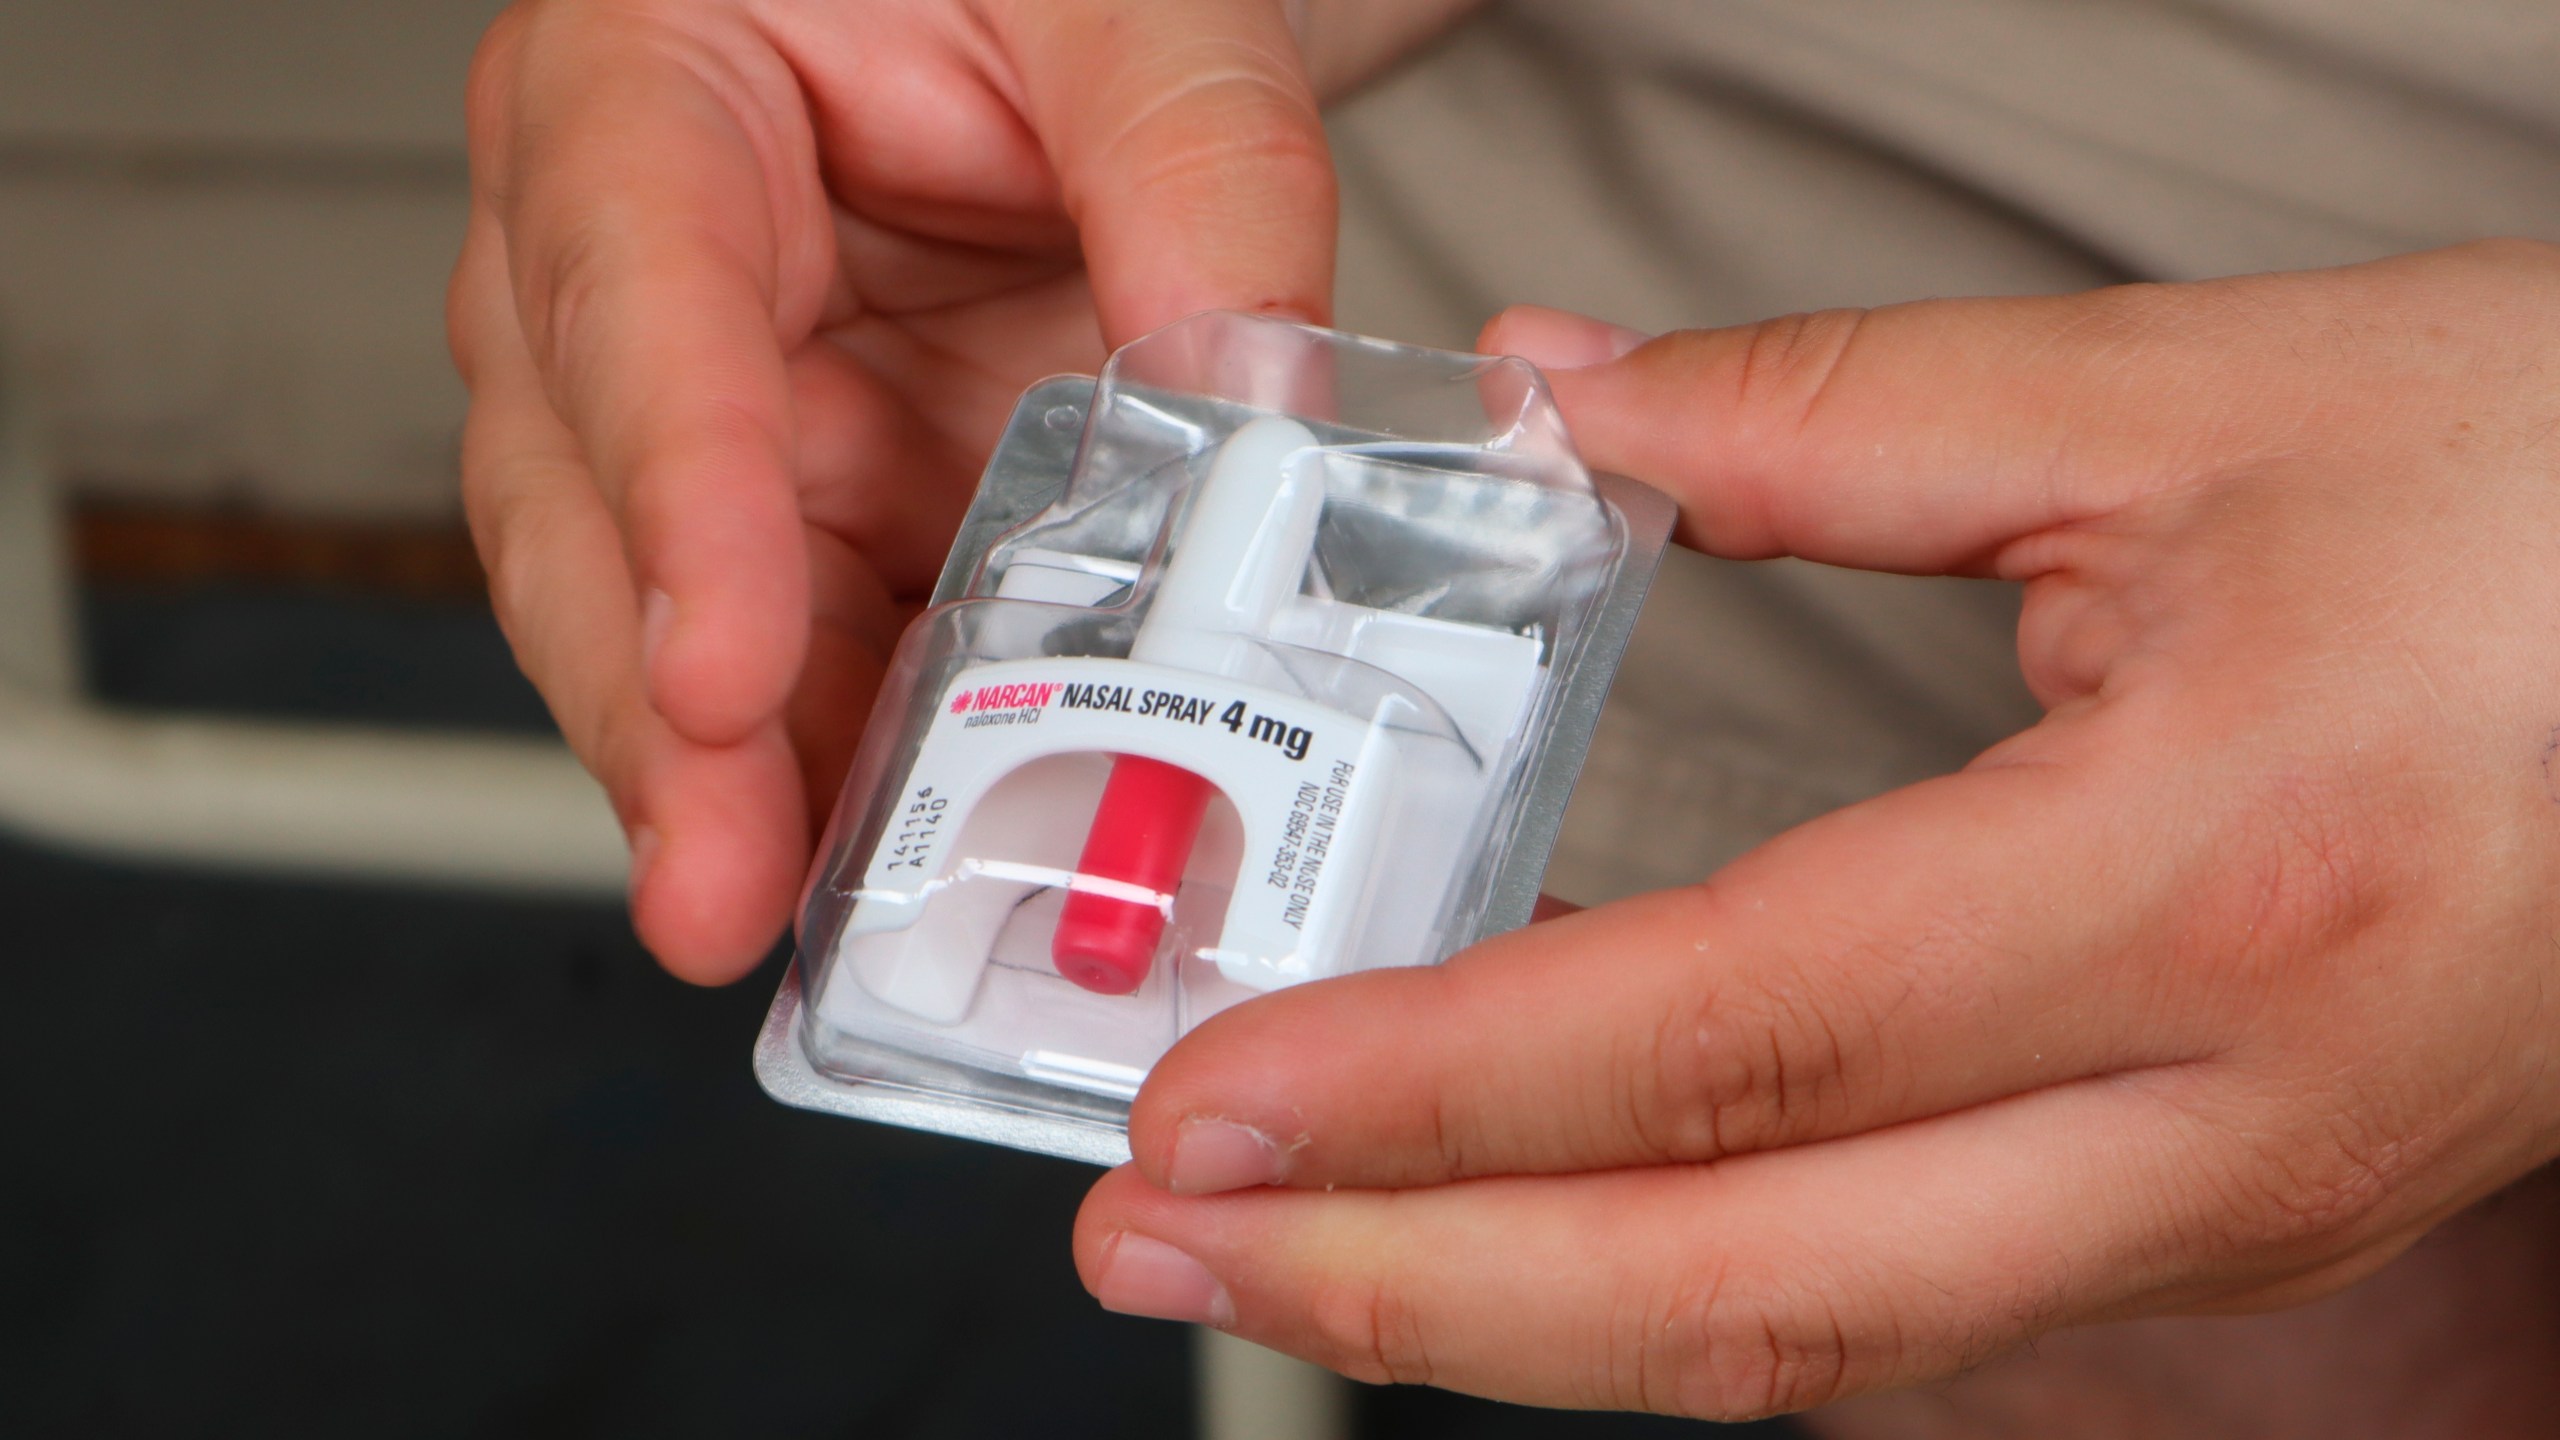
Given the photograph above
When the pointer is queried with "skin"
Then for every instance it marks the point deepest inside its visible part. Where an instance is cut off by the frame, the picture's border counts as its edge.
(2213, 992)
(2452, 1341)
(748, 289)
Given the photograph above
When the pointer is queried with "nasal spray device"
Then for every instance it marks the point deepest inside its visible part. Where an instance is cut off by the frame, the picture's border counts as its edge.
(1269, 656)
(1246, 542)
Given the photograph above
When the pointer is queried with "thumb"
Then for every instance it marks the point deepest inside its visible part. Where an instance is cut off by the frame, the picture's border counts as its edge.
(1189, 150)
(1919, 438)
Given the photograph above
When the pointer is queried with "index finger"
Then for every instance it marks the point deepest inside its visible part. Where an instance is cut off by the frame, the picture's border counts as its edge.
(1895, 960)
(1189, 151)
(660, 247)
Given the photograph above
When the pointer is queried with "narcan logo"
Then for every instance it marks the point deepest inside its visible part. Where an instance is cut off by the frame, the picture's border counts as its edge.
(1003, 697)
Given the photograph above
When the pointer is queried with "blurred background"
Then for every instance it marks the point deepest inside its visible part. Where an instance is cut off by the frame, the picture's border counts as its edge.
(339, 1097)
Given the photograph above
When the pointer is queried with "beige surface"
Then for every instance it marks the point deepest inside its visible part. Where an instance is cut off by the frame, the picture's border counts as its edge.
(1682, 162)
(356, 76)
(224, 235)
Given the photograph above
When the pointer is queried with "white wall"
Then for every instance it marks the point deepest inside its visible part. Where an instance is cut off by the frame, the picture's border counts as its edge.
(224, 233)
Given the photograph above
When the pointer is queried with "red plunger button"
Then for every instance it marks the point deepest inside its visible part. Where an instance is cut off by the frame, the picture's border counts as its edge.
(1142, 836)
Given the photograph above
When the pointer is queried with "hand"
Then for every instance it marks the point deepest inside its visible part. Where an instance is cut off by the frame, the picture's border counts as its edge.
(749, 288)
(2214, 990)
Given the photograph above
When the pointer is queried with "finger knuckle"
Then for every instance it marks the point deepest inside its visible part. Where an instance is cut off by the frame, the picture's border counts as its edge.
(1369, 1330)
(1723, 1081)
(1231, 120)
(1689, 1088)
(559, 297)
(509, 559)
(1284, 161)
(2313, 1178)
(1750, 1064)
(2297, 1204)
(1738, 1343)
(506, 559)
(1450, 1135)
(513, 539)
(2299, 877)
(608, 729)
(1787, 366)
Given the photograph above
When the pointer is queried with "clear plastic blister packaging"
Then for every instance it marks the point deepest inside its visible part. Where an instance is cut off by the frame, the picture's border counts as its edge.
(1270, 656)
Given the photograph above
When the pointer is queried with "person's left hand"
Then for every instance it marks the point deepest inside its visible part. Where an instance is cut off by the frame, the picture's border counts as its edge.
(2214, 990)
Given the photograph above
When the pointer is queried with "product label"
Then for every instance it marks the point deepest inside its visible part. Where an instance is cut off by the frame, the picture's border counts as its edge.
(1291, 767)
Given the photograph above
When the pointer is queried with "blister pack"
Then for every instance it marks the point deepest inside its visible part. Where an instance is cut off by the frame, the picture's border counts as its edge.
(1267, 657)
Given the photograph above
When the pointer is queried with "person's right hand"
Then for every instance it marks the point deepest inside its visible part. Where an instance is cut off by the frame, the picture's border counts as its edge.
(748, 289)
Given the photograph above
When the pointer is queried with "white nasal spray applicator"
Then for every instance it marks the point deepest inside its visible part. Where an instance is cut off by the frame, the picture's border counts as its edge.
(1241, 554)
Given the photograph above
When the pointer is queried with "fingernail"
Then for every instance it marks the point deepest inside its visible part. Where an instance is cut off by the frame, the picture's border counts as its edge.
(644, 853)
(1214, 1155)
(1150, 1278)
(1562, 340)
(657, 617)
